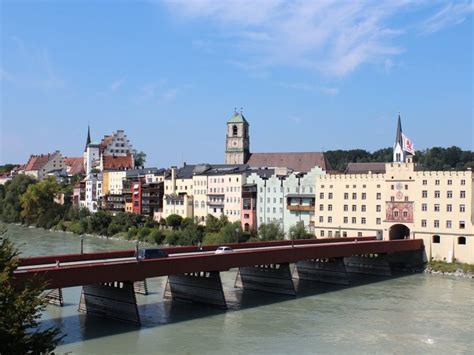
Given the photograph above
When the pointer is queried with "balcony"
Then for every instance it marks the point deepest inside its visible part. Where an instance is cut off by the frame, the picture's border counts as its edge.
(300, 208)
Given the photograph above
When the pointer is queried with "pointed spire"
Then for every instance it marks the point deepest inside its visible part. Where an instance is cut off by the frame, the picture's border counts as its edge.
(88, 141)
(398, 138)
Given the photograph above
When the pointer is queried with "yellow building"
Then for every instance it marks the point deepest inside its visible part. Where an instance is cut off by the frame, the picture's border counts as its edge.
(397, 201)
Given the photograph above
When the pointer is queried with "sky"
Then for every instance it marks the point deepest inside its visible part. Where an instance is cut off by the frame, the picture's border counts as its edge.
(307, 75)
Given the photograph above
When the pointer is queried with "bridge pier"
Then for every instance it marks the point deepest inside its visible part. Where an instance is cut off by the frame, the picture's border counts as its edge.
(55, 297)
(407, 261)
(369, 264)
(114, 300)
(328, 270)
(200, 287)
(140, 287)
(274, 278)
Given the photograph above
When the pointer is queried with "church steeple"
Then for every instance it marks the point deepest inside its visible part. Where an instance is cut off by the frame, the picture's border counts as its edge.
(398, 152)
(88, 141)
(237, 139)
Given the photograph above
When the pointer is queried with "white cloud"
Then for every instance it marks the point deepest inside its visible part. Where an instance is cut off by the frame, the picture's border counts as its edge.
(330, 91)
(452, 14)
(157, 92)
(116, 84)
(331, 37)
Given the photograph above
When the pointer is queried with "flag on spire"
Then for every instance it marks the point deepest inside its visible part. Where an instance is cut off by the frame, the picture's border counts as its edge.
(408, 145)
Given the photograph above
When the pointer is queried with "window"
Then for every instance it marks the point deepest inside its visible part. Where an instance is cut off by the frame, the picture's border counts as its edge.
(329, 219)
(395, 213)
(463, 182)
(379, 221)
(364, 195)
(330, 195)
(329, 207)
(363, 220)
(346, 208)
(405, 214)
(321, 219)
(346, 220)
(449, 194)
(462, 224)
(354, 196)
(321, 207)
(424, 207)
(462, 194)
(448, 224)
(406, 198)
(321, 195)
(378, 208)
(392, 198)
(354, 220)
(462, 240)
(449, 208)
(354, 208)
(379, 196)
(406, 187)
(359, 234)
(392, 187)
(424, 194)
(235, 130)
(436, 223)
(436, 207)
(363, 208)
(436, 182)
(329, 234)
(462, 208)
(423, 222)
(436, 239)
(436, 194)
(321, 233)
(346, 196)
(344, 234)
(450, 182)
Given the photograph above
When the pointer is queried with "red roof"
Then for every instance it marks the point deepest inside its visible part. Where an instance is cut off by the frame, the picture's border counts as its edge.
(301, 162)
(74, 165)
(105, 142)
(113, 162)
(36, 162)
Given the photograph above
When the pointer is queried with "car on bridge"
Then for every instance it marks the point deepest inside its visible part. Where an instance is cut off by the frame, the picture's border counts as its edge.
(145, 254)
(223, 250)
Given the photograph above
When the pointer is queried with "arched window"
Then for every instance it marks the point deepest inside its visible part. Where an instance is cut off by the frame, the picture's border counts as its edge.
(436, 239)
(462, 240)
(203, 204)
(235, 130)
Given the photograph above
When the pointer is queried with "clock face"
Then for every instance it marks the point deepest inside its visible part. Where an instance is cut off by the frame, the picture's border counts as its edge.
(399, 195)
(234, 143)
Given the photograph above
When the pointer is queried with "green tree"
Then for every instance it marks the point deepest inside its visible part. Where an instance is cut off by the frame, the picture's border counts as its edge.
(185, 222)
(21, 309)
(38, 206)
(11, 205)
(139, 159)
(232, 232)
(212, 224)
(298, 231)
(270, 231)
(174, 220)
(99, 222)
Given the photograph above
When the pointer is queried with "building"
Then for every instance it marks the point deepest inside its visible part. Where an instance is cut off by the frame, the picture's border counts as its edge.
(178, 193)
(74, 166)
(41, 166)
(398, 200)
(238, 151)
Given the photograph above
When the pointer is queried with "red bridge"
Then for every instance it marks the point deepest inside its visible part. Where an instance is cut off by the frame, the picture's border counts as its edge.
(108, 278)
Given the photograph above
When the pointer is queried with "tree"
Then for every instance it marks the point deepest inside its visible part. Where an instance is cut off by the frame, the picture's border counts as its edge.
(212, 224)
(38, 206)
(11, 206)
(271, 231)
(139, 159)
(174, 220)
(21, 309)
(99, 222)
(232, 232)
(298, 231)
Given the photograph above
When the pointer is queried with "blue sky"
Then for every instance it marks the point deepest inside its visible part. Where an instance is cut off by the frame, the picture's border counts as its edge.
(310, 75)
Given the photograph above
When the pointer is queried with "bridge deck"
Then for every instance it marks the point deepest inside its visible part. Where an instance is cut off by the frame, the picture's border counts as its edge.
(132, 270)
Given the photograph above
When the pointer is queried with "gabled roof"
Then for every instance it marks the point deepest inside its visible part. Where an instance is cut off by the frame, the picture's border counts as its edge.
(74, 165)
(302, 162)
(237, 118)
(364, 168)
(114, 162)
(36, 162)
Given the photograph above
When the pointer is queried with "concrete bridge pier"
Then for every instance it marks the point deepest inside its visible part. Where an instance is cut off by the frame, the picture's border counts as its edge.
(368, 264)
(114, 300)
(407, 261)
(141, 287)
(200, 287)
(55, 297)
(328, 270)
(274, 278)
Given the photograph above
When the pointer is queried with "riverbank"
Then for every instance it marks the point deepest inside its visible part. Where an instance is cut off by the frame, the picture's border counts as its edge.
(450, 269)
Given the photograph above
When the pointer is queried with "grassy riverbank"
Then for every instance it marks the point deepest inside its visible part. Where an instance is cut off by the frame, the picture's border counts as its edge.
(444, 267)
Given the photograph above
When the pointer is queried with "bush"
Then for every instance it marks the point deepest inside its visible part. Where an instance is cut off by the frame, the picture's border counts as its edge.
(156, 236)
(174, 237)
(143, 233)
(213, 238)
(270, 231)
(132, 232)
(298, 231)
(174, 220)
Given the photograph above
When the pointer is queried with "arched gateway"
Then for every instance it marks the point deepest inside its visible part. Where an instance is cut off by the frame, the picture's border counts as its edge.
(399, 231)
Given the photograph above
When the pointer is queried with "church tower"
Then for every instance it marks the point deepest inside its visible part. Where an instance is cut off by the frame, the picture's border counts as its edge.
(398, 152)
(237, 149)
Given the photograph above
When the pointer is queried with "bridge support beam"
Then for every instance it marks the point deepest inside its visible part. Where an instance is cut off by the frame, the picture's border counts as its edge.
(200, 287)
(274, 278)
(407, 261)
(55, 297)
(370, 264)
(114, 300)
(141, 287)
(328, 270)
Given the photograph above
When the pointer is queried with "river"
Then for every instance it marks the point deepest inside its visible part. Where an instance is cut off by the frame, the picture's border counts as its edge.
(429, 314)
